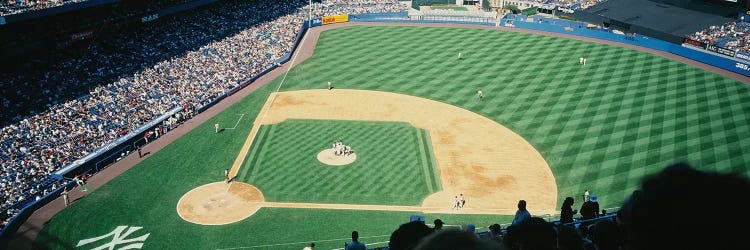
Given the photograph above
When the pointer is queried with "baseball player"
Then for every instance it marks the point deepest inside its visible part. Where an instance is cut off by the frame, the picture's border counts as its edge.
(480, 94)
(584, 61)
(64, 194)
(329, 85)
(79, 182)
(459, 55)
(455, 203)
(216, 127)
(461, 199)
(226, 175)
(580, 60)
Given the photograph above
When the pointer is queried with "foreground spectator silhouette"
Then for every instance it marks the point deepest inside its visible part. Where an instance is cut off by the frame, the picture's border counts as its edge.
(590, 208)
(606, 235)
(568, 238)
(681, 208)
(408, 235)
(521, 214)
(495, 233)
(532, 234)
(567, 212)
(438, 225)
(456, 240)
(355, 244)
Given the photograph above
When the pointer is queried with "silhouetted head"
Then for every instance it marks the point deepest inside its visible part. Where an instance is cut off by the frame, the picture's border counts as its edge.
(568, 202)
(455, 240)
(438, 224)
(536, 233)
(355, 235)
(606, 235)
(521, 205)
(665, 212)
(408, 235)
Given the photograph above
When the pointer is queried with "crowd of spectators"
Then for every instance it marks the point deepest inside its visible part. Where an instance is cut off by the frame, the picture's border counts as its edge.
(186, 61)
(732, 35)
(12, 7)
(572, 4)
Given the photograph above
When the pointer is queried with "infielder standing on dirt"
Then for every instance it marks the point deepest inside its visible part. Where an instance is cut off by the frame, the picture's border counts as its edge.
(463, 202)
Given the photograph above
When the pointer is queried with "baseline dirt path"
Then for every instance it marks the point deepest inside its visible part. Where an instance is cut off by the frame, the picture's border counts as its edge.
(492, 166)
(25, 235)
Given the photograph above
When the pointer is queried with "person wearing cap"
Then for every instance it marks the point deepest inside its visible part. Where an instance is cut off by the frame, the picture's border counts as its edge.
(590, 208)
(438, 225)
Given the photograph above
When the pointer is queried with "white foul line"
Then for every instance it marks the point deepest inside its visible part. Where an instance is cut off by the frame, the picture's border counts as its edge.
(238, 122)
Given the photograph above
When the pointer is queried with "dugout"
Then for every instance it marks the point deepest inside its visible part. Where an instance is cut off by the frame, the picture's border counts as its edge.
(663, 21)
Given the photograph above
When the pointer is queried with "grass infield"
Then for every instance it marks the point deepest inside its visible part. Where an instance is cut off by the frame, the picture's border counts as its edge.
(393, 166)
(602, 126)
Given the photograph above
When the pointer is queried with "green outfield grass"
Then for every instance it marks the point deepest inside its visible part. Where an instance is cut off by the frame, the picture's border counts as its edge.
(602, 126)
(392, 166)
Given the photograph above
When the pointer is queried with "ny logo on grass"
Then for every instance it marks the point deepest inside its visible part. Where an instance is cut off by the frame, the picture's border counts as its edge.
(118, 238)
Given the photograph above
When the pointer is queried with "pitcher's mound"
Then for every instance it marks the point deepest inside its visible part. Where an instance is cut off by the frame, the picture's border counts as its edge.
(219, 203)
(329, 158)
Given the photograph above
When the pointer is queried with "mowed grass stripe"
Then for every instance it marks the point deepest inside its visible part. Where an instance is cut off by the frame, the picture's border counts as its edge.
(429, 157)
(423, 161)
(252, 157)
(259, 159)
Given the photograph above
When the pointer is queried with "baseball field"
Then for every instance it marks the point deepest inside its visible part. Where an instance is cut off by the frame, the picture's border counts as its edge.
(546, 128)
